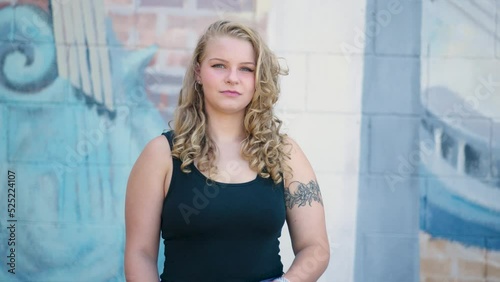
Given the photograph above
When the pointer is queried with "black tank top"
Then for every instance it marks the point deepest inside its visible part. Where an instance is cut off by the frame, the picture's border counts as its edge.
(221, 232)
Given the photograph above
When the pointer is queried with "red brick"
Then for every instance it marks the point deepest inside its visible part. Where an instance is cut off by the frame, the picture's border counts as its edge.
(493, 257)
(122, 25)
(197, 24)
(439, 245)
(146, 28)
(175, 38)
(492, 271)
(437, 279)
(183, 32)
(435, 267)
(44, 4)
(163, 102)
(472, 269)
(179, 58)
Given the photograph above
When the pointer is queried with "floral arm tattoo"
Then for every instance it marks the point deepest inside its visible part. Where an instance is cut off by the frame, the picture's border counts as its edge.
(305, 193)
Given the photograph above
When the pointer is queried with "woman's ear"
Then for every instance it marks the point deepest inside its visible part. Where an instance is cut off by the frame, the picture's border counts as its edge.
(197, 72)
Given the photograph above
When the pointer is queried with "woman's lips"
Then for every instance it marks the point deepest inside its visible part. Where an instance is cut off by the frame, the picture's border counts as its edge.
(231, 93)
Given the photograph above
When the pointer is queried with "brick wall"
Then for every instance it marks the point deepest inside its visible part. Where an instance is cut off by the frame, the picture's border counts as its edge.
(442, 260)
(174, 27)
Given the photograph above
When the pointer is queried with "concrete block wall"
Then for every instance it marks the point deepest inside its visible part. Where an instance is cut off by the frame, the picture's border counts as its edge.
(321, 107)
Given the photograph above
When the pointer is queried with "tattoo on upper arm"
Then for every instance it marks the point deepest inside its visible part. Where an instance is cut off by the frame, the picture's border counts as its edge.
(305, 193)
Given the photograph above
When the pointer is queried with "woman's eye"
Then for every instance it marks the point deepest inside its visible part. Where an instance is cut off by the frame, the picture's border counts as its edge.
(221, 66)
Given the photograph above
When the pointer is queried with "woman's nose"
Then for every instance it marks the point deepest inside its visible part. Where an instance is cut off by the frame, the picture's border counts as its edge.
(232, 76)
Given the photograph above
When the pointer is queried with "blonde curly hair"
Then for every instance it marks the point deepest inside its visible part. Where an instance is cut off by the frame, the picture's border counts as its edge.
(264, 145)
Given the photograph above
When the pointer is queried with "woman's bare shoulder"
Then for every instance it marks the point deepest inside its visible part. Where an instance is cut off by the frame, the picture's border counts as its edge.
(155, 158)
(157, 150)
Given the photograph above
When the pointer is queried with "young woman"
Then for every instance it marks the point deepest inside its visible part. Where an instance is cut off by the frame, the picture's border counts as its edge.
(219, 187)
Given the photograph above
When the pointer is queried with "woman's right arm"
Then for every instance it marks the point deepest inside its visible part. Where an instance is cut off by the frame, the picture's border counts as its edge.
(143, 207)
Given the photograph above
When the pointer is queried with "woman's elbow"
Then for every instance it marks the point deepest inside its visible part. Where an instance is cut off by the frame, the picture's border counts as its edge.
(138, 266)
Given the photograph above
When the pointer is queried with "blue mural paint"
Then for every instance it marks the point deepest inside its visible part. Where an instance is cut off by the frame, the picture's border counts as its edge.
(450, 216)
(31, 54)
(459, 200)
(445, 225)
(465, 209)
(75, 159)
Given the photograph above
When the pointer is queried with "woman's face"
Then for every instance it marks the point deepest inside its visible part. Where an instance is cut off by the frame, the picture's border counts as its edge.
(227, 75)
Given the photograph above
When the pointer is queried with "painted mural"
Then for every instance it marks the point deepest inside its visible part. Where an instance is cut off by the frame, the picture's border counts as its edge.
(76, 111)
(459, 143)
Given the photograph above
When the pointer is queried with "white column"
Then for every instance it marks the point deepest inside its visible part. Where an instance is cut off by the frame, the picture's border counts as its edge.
(461, 157)
(438, 135)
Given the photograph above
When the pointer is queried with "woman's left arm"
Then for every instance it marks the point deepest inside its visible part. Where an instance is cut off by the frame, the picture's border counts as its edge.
(305, 218)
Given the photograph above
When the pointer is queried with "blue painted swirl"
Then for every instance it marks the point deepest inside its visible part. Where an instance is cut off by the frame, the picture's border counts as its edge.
(28, 61)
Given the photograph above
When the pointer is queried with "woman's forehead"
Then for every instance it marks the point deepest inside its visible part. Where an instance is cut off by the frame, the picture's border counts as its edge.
(229, 49)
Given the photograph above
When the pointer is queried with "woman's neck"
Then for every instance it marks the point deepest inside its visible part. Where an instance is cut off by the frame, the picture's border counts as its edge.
(226, 128)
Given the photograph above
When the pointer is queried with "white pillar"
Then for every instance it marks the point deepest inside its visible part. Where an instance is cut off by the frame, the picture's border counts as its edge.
(461, 157)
